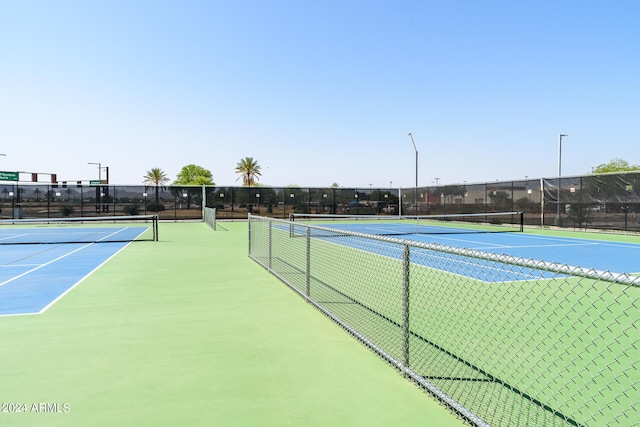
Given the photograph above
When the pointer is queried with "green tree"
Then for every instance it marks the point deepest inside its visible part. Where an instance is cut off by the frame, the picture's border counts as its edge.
(616, 165)
(194, 175)
(158, 178)
(249, 171)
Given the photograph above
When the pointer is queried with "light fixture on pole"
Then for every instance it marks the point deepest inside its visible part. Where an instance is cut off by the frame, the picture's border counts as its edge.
(99, 170)
(415, 203)
(558, 220)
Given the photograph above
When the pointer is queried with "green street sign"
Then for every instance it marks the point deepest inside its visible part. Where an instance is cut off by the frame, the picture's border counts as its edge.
(9, 176)
(95, 182)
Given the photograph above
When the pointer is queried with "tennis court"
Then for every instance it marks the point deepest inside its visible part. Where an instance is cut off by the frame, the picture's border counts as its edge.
(619, 257)
(189, 331)
(613, 254)
(477, 315)
(42, 260)
(34, 278)
(152, 337)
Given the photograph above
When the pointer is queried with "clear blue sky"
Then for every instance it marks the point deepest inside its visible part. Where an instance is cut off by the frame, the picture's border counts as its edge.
(319, 91)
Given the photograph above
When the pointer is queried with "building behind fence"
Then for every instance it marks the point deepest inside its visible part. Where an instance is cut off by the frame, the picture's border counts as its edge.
(605, 201)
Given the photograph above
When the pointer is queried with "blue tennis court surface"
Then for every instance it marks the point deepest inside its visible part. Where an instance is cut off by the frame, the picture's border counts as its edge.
(615, 257)
(34, 276)
(601, 255)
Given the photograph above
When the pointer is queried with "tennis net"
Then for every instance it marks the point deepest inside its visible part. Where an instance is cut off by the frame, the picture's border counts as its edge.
(209, 217)
(79, 230)
(494, 222)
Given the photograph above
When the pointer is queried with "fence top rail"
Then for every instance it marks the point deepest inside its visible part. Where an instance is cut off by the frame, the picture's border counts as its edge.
(617, 278)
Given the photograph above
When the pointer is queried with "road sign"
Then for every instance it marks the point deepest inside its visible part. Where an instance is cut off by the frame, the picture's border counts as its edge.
(9, 176)
(95, 182)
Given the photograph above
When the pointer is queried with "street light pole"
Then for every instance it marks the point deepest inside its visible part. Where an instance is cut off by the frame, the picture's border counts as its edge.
(99, 169)
(558, 219)
(415, 202)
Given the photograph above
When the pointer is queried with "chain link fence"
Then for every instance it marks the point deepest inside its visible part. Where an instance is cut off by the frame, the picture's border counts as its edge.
(77, 200)
(603, 202)
(502, 341)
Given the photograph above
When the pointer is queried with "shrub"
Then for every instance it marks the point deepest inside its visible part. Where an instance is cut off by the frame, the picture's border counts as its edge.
(132, 209)
(155, 207)
(66, 210)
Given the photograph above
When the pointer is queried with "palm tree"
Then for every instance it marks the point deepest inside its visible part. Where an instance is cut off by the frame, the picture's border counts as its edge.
(158, 178)
(249, 171)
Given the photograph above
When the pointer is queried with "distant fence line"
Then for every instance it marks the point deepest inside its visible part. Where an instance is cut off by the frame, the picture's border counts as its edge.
(603, 201)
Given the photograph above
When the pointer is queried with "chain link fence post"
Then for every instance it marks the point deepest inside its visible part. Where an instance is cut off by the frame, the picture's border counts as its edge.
(406, 270)
(308, 264)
